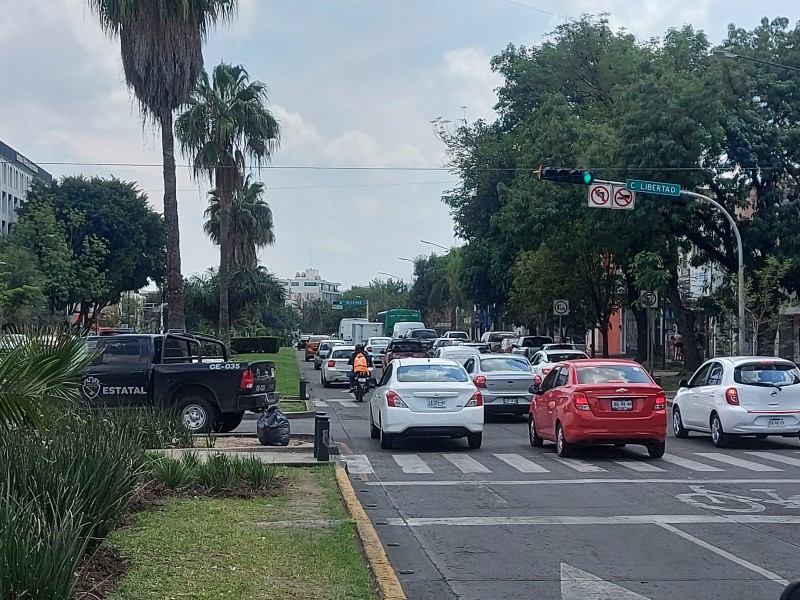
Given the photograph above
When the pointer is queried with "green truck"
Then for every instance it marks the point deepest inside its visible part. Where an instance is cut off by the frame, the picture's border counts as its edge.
(388, 318)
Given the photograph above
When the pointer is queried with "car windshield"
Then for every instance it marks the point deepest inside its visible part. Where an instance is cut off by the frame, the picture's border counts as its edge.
(424, 334)
(431, 373)
(612, 374)
(505, 364)
(767, 373)
(555, 357)
(459, 334)
(341, 353)
(407, 346)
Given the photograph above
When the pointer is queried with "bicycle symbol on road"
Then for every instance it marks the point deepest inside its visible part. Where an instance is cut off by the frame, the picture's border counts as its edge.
(702, 497)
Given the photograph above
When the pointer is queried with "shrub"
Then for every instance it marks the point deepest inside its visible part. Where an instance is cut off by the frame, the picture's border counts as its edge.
(217, 473)
(257, 473)
(257, 344)
(152, 428)
(172, 472)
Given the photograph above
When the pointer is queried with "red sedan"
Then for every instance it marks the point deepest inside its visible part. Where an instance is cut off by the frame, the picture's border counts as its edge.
(598, 402)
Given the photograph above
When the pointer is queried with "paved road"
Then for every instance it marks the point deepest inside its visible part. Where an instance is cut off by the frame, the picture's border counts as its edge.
(513, 522)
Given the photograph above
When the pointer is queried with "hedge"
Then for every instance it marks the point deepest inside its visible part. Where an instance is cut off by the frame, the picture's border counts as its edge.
(261, 344)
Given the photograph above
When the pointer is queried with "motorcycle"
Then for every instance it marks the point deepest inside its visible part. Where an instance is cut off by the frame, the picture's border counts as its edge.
(362, 386)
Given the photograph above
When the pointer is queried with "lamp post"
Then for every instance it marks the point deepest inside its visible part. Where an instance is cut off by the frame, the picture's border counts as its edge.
(731, 55)
(435, 244)
(390, 275)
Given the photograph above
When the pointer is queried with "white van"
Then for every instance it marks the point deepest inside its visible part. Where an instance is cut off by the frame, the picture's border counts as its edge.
(401, 329)
(346, 328)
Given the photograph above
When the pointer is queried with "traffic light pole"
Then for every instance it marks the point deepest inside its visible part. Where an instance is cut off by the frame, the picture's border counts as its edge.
(742, 341)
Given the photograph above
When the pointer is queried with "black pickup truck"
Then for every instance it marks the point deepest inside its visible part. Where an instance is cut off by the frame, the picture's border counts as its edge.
(190, 374)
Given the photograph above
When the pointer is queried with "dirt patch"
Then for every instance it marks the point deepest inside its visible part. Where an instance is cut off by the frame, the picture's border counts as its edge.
(220, 443)
(101, 573)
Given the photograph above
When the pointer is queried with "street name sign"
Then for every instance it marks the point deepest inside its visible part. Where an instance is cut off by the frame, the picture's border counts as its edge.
(653, 187)
(350, 303)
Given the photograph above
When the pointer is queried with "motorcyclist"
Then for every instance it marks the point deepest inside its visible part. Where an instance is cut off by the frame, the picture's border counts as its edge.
(361, 362)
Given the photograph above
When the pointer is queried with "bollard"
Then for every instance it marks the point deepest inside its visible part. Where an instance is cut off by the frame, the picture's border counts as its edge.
(657, 379)
(792, 591)
(325, 437)
(317, 431)
(303, 388)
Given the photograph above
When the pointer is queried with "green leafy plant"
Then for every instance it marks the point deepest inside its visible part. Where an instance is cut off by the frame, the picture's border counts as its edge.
(190, 460)
(217, 473)
(172, 472)
(256, 472)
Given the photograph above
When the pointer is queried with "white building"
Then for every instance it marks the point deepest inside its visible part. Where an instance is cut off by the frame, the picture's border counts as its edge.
(308, 285)
(16, 174)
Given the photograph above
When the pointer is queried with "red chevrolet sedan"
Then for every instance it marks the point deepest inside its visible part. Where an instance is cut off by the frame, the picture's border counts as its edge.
(598, 401)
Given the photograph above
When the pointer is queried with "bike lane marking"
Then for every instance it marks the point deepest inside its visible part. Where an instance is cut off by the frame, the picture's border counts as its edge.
(787, 460)
(738, 462)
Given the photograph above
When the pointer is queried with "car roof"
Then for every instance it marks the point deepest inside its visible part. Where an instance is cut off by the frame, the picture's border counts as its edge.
(456, 349)
(561, 351)
(343, 347)
(602, 362)
(423, 361)
(740, 360)
(502, 355)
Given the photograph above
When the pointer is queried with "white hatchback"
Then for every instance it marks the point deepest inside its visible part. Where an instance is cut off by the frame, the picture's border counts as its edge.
(739, 395)
(426, 397)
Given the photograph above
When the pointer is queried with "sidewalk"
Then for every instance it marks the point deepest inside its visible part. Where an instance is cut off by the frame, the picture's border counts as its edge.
(300, 452)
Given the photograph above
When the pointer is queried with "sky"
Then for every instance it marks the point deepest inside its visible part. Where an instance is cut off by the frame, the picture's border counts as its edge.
(357, 181)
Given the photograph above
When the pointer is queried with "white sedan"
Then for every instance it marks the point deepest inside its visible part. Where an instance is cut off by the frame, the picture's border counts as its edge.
(739, 395)
(426, 397)
(544, 360)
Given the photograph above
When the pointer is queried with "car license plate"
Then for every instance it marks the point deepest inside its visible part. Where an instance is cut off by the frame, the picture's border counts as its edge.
(509, 400)
(622, 405)
(437, 403)
(775, 423)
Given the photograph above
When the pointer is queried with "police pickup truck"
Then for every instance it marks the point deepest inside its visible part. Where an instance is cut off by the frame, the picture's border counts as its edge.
(190, 374)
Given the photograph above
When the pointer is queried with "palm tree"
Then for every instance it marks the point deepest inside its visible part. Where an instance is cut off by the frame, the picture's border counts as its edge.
(251, 225)
(225, 122)
(162, 56)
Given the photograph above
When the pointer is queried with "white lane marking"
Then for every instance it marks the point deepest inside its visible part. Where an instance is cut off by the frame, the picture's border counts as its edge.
(411, 463)
(737, 462)
(358, 464)
(690, 464)
(579, 465)
(546, 520)
(453, 483)
(787, 460)
(523, 465)
(320, 404)
(639, 466)
(580, 585)
(720, 552)
(466, 464)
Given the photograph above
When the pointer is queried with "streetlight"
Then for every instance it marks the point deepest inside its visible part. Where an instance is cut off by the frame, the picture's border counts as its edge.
(390, 275)
(405, 259)
(435, 244)
(726, 54)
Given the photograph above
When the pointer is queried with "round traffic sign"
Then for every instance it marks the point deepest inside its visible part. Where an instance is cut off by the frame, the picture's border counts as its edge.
(622, 197)
(599, 195)
(649, 299)
(561, 308)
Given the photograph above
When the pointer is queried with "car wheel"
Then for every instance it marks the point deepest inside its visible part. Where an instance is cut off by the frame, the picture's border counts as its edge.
(533, 437)
(198, 414)
(374, 432)
(718, 435)
(475, 440)
(325, 382)
(317, 368)
(230, 421)
(677, 424)
(563, 448)
(387, 439)
(656, 449)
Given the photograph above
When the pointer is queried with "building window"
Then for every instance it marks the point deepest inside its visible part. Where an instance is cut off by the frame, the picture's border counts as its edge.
(295, 283)
(310, 283)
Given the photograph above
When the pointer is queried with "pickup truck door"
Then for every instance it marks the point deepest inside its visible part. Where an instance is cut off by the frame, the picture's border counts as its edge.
(119, 374)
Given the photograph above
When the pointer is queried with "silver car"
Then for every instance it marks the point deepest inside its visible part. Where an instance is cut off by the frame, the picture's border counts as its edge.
(504, 380)
(335, 369)
(323, 351)
(376, 346)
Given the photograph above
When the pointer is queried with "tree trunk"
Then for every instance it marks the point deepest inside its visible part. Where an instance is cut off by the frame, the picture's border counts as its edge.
(686, 320)
(642, 325)
(176, 314)
(224, 268)
(605, 326)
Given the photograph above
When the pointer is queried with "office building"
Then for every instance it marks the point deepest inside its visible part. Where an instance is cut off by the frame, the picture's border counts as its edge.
(308, 285)
(16, 174)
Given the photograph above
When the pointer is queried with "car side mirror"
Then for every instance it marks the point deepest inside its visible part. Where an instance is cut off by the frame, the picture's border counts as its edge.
(683, 383)
(535, 389)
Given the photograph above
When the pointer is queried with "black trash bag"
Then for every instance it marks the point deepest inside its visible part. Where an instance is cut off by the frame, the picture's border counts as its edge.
(273, 428)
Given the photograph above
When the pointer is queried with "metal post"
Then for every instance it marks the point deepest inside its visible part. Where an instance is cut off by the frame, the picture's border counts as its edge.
(303, 388)
(323, 455)
(317, 433)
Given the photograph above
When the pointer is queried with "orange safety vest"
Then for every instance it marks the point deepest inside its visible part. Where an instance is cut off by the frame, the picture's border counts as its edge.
(360, 363)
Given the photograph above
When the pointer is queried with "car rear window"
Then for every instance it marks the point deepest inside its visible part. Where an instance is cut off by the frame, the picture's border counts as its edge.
(505, 364)
(612, 374)
(535, 341)
(380, 341)
(497, 337)
(424, 334)
(767, 373)
(341, 353)
(406, 346)
(432, 373)
(556, 357)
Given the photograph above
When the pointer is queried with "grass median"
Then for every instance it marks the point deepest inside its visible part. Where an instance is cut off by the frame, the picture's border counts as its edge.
(287, 370)
(300, 544)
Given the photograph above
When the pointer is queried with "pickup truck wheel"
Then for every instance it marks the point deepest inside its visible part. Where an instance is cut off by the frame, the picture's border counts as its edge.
(198, 414)
(230, 421)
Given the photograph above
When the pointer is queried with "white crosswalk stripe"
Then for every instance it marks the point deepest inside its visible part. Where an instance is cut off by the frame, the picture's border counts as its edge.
(781, 458)
(737, 462)
(320, 404)
(687, 463)
(345, 403)
(466, 464)
(579, 465)
(643, 467)
(411, 463)
(358, 464)
(521, 464)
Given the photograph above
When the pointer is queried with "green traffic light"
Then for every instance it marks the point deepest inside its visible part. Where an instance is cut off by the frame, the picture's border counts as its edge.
(587, 177)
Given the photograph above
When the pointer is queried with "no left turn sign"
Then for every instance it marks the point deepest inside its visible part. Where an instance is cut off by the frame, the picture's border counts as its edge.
(560, 308)
(623, 198)
(599, 195)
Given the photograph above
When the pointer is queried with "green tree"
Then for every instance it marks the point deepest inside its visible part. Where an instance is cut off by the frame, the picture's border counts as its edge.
(381, 295)
(251, 224)
(22, 299)
(225, 122)
(162, 56)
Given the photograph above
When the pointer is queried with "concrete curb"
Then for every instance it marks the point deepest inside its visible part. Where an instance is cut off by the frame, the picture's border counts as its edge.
(389, 586)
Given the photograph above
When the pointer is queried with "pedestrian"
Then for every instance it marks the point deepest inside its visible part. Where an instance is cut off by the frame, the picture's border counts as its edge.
(678, 346)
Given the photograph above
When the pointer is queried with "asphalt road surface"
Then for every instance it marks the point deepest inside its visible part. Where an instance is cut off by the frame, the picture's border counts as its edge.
(513, 522)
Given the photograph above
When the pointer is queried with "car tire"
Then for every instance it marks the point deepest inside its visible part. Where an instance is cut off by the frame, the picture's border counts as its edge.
(374, 432)
(230, 421)
(474, 440)
(533, 436)
(656, 449)
(198, 414)
(678, 430)
(325, 382)
(387, 439)
(317, 368)
(718, 435)
(563, 448)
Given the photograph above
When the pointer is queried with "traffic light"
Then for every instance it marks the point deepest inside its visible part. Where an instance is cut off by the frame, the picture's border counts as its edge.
(561, 175)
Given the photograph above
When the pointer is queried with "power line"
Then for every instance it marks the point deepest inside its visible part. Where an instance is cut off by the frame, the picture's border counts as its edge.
(325, 187)
(546, 12)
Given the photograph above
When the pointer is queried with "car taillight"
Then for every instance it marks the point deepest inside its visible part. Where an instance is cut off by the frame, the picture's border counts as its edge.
(661, 401)
(480, 381)
(331, 363)
(247, 380)
(732, 396)
(392, 399)
(580, 401)
(476, 400)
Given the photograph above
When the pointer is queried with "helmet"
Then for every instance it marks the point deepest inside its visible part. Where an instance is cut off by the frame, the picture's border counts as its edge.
(359, 347)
